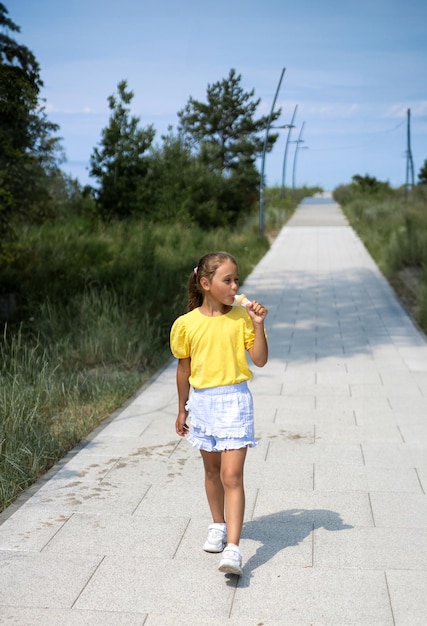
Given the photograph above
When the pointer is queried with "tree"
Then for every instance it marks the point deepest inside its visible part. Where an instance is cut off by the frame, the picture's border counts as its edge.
(422, 175)
(182, 187)
(120, 163)
(170, 179)
(29, 152)
(369, 184)
(224, 131)
(227, 137)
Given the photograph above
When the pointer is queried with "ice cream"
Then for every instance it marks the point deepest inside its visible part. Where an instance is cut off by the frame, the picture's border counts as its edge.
(241, 300)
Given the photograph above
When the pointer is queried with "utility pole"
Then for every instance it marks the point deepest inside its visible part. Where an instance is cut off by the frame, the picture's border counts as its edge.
(283, 191)
(409, 161)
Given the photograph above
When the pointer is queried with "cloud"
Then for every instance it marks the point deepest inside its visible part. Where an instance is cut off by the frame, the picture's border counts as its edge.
(399, 110)
(56, 110)
(342, 110)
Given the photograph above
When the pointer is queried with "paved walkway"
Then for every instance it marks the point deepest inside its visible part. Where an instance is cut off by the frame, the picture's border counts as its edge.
(336, 518)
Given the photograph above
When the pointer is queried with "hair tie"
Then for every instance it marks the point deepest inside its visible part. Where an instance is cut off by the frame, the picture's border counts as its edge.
(195, 271)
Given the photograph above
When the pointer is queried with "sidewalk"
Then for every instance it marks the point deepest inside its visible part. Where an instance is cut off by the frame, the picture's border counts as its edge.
(336, 517)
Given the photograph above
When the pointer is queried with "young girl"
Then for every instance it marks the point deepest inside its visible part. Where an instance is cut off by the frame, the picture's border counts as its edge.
(210, 342)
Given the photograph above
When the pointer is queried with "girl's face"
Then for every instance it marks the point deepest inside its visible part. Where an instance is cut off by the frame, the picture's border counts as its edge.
(224, 284)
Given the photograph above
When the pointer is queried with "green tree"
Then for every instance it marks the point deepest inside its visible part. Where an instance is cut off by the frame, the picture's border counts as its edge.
(171, 173)
(422, 175)
(224, 130)
(227, 137)
(29, 152)
(121, 163)
(182, 187)
(369, 184)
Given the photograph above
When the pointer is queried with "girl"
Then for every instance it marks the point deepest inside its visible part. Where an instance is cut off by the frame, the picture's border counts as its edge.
(210, 342)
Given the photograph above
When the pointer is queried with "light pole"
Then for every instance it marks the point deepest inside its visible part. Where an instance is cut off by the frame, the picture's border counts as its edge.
(291, 126)
(409, 161)
(261, 187)
(298, 142)
(261, 183)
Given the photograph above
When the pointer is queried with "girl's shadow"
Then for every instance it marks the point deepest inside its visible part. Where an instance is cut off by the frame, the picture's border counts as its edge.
(282, 530)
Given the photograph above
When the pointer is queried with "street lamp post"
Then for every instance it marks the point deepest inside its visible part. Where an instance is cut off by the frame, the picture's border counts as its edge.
(409, 161)
(291, 126)
(298, 142)
(261, 184)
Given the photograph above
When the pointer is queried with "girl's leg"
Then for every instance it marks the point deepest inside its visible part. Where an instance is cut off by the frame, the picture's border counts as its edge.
(213, 485)
(232, 463)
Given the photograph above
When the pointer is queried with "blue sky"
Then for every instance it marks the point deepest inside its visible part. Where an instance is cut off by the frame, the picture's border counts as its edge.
(353, 69)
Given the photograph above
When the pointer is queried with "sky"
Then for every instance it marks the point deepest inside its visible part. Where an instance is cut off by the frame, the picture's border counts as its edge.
(352, 69)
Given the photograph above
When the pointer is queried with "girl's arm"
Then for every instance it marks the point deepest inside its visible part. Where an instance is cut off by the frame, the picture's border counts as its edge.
(259, 351)
(182, 375)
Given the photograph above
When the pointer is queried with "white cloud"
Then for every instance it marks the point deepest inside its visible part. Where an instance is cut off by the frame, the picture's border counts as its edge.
(399, 110)
(79, 109)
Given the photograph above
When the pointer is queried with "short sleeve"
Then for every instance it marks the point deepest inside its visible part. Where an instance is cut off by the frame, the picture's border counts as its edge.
(250, 333)
(180, 346)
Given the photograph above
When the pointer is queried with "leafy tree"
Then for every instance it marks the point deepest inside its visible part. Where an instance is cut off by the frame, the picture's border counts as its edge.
(369, 184)
(224, 130)
(120, 163)
(170, 177)
(227, 137)
(422, 176)
(182, 187)
(29, 152)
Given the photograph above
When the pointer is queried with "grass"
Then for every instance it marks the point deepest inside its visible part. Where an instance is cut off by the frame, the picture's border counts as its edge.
(52, 394)
(393, 227)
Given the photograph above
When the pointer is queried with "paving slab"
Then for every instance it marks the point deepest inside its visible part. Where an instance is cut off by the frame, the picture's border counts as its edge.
(409, 599)
(34, 616)
(335, 525)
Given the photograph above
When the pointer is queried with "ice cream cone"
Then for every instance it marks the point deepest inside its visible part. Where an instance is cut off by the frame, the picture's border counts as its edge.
(241, 300)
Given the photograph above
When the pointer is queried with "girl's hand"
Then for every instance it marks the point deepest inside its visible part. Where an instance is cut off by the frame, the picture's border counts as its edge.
(180, 424)
(259, 351)
(257, 312)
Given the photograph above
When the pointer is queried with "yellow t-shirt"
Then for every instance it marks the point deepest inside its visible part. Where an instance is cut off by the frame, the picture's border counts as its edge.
(216, 345)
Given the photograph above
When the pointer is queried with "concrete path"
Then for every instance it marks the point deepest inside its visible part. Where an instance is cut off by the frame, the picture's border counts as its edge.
(336, 518)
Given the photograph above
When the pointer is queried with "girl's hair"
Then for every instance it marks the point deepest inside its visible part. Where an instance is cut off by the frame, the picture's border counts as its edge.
(205, 268)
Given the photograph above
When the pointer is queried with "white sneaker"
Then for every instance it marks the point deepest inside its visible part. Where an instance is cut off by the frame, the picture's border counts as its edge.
(217, 538)
(231, 561)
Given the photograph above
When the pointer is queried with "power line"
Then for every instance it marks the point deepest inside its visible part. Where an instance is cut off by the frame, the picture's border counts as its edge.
(365, 143)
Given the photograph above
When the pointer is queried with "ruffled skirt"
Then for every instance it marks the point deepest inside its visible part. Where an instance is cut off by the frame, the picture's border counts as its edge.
(221, 418)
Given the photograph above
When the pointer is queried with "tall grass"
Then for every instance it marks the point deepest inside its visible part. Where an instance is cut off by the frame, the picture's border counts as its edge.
(393, 226)
(58, 384)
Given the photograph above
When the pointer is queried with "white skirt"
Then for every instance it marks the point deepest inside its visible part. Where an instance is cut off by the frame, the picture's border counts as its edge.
(221, 418)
